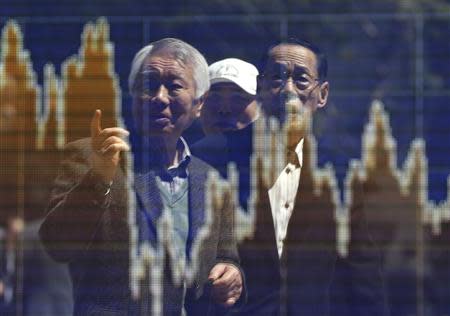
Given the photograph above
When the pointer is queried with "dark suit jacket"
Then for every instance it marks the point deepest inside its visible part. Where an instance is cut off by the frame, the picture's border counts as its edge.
(310, 278)
(93, 236)
(47, 288)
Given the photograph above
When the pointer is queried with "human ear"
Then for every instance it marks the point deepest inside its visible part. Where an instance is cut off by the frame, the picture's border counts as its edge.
(323, 94)
(199, 104)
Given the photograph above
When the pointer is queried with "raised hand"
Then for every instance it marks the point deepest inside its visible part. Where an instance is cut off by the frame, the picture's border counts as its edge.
(106, 145)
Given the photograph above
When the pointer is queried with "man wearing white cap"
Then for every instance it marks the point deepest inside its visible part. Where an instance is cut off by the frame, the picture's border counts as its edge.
(231, 103)
(226, 119)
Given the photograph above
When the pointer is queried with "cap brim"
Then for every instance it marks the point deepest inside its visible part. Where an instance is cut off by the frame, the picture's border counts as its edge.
(232, 80)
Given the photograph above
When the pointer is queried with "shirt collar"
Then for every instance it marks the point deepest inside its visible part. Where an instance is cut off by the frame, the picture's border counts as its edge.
(183, 147)
(296, 156)
(154, 162)
(299, 151)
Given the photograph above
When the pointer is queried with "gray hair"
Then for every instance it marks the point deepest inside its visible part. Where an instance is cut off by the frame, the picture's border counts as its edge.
(182, 52)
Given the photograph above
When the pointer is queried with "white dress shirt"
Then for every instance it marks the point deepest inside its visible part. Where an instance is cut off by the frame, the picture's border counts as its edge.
(282, 197)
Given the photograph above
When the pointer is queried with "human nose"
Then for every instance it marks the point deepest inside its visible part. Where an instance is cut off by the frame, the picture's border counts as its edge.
(288, 86)
(162, 95)
(224, 108)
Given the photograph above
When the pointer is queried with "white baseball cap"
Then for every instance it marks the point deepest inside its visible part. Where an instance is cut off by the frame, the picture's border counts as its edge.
(236, 71)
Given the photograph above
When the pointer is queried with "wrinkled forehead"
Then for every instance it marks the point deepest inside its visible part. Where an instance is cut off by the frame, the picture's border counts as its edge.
(165, 60)
(159, 66)
(163, 66)
(172, 53)
(292, 56)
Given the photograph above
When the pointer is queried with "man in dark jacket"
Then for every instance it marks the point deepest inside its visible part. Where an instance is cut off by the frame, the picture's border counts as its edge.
(291, 259)
(114, 227)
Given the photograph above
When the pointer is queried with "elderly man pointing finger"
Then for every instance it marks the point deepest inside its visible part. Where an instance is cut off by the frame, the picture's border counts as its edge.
(86, 224)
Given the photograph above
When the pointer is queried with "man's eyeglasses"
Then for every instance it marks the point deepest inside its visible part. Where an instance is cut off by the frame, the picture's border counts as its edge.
(302, 81)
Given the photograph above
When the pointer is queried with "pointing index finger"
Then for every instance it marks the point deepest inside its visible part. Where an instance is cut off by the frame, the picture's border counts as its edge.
(96, 123)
